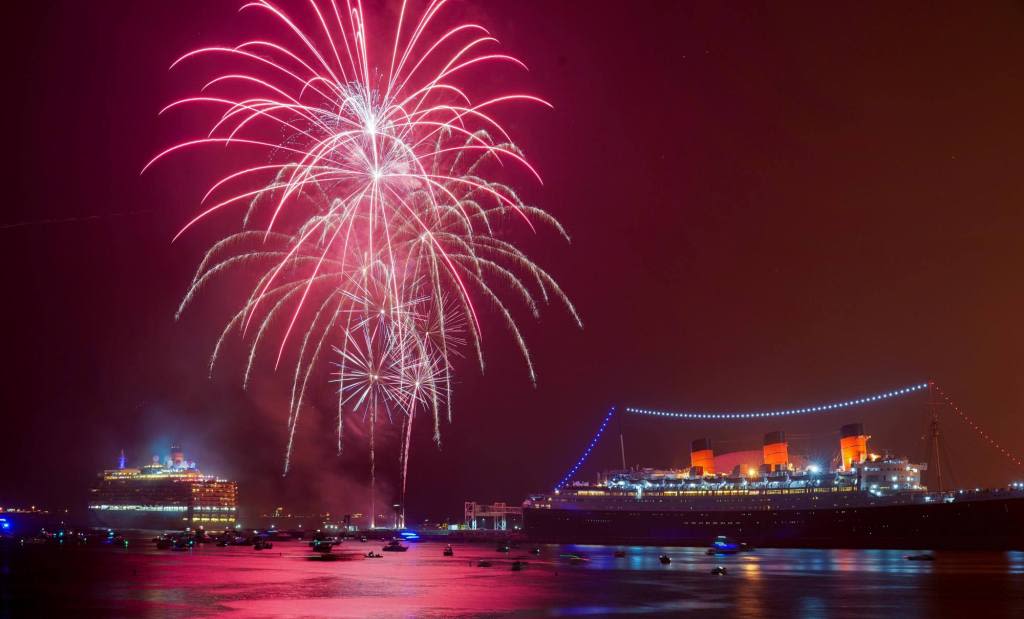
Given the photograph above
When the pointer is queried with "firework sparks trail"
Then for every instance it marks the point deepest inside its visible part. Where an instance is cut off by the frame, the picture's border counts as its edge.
(369, 219)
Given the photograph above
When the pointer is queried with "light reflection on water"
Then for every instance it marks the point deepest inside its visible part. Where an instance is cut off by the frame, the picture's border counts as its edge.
(792, 561)
(285, 582)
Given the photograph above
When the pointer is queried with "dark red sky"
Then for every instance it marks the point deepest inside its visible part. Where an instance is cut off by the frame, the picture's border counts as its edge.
(770, 205)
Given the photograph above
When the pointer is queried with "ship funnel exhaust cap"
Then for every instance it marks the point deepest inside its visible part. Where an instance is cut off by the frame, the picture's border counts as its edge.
(772, 438)
(700, 444)
(851, 429)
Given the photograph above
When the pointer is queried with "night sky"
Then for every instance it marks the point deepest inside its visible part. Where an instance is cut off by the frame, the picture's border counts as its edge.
(770, 205)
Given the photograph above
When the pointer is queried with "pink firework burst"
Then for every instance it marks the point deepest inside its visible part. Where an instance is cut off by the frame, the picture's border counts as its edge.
(369, 217)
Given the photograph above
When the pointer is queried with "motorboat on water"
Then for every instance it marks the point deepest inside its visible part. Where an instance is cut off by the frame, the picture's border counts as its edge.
(723, 546)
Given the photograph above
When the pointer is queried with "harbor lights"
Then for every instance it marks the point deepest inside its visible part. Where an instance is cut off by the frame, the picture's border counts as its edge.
(399, 516)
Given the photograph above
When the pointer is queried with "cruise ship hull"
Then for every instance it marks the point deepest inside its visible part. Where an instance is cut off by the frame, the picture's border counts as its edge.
(143, 521)
(988, 524)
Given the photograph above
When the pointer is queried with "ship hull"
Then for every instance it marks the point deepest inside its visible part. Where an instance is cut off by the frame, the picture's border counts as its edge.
(989, 524)
(142, 521)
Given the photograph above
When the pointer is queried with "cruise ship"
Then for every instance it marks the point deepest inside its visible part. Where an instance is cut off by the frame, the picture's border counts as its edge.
(865, 501)
(173, 494)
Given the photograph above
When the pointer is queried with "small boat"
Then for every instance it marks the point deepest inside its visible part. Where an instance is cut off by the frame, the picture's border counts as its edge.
(535, 551)
(518, 566)
(665, 559)
(619, 554)
(163, 543)
(719, 570)
(448, 552)
(324, 539)
(723, 546)
(322, 546)
(502, 548)
(263, 545)
(374, 555)
(483, 564)
(395, 546)
(920, 557)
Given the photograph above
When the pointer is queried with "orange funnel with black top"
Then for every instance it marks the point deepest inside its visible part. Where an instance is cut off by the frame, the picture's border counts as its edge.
(776, 450)
(854, 444)
(701, 455)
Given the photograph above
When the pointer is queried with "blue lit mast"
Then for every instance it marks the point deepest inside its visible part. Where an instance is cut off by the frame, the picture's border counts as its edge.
(622, 443)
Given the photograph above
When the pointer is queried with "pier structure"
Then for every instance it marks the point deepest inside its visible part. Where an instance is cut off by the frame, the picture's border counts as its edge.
(500, 516)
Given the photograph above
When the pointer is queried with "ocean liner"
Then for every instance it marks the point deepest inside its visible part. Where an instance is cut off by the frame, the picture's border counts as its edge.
(866, 501)
(174, 494)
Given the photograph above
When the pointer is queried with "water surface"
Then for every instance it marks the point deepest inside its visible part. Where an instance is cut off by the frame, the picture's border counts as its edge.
(141, 581)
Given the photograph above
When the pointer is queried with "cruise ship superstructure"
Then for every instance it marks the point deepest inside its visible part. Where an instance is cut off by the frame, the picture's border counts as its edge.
(173, 494)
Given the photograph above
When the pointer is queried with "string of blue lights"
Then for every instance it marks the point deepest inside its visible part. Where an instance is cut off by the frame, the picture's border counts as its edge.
(576, 467)
(818, 408)
(895, 393)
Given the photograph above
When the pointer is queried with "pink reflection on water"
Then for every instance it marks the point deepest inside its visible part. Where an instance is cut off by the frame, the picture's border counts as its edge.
(242, 582)
(287, 581)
